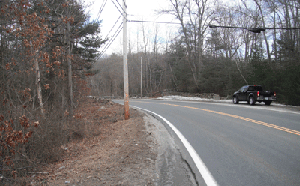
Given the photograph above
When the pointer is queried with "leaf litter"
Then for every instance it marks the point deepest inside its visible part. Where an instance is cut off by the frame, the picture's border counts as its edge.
(110, 151)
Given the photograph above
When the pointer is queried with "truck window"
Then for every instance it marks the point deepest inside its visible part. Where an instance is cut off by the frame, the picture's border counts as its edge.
(251, 88)
(255, 88)
(244, 88)
(258, 88)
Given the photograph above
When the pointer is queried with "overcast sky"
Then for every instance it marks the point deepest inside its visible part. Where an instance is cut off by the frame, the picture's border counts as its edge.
(137, 10)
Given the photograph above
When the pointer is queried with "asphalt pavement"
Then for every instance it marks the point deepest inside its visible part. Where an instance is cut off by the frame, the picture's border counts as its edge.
(238, 144)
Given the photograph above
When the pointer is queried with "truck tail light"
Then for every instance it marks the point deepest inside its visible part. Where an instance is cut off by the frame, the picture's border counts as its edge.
(257, 93)
(274, 94)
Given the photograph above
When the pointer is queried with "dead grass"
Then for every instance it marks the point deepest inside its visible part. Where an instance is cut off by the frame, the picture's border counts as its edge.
(109, 151)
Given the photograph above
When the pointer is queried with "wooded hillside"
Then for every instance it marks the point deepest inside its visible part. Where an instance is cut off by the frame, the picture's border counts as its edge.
(47, 48)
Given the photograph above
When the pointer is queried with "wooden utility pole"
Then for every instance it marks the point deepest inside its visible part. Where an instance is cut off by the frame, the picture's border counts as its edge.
(126, 89)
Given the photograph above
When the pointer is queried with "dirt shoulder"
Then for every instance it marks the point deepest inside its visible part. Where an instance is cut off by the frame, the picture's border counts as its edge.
(119, 152)
(105, 149)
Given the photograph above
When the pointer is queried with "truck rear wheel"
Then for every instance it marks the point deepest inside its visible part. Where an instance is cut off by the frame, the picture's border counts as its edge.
(252, 101)
(235, 100)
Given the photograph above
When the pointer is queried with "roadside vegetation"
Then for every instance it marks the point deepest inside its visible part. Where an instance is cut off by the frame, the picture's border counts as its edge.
(47, 49)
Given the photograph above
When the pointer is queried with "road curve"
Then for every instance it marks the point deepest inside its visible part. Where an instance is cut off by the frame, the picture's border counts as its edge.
(239, 144)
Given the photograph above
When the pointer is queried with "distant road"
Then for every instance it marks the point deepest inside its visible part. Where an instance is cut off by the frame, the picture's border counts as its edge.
(239, 144)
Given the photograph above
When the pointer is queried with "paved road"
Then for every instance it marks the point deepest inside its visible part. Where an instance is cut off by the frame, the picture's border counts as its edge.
(239, 144)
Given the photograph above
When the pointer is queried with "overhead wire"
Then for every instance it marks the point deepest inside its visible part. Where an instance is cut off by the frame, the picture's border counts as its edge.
(122, 12)
(112, 37)
(116, 34)
(254, 29)
(101, 8)
(112, 40)
(119, 7)
(113, 26)
(137, 21)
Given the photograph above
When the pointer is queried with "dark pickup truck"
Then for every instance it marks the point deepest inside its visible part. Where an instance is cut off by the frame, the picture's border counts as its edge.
(252, 94)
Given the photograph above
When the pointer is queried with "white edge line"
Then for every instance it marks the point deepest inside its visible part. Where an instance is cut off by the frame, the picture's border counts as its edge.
(208, 178)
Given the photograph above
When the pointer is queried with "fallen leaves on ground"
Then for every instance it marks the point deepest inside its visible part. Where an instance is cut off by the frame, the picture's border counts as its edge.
(113, 151)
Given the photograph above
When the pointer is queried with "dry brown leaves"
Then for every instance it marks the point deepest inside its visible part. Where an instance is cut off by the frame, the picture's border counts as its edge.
(118, 154)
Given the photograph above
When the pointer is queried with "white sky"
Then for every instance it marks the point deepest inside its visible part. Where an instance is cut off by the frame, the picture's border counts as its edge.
(142, 10)
(137, 10)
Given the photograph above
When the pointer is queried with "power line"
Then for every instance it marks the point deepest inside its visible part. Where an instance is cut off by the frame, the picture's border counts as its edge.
(122, 12)
(137, 21)
(113, 26)
(121, 6)
(101, 8)
(118, 8)
(119, 30)
(254, 30)
(111, 40)
(115, 35)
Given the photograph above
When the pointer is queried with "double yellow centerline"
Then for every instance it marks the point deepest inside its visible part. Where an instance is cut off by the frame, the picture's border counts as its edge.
(242, 118)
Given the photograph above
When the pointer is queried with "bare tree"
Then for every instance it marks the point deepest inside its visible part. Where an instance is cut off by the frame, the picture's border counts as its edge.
(258, 4)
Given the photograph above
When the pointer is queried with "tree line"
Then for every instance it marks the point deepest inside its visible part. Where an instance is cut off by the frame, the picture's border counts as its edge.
(200, 59)
(47, 48)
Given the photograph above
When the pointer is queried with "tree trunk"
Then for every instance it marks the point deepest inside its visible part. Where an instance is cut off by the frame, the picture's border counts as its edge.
(275, 40)
(179, 16)
(264, 33)
(70, 69)
(38, 83)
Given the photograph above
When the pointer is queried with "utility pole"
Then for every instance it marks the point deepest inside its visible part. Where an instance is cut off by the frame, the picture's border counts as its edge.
(126, 89)
(141, 77)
